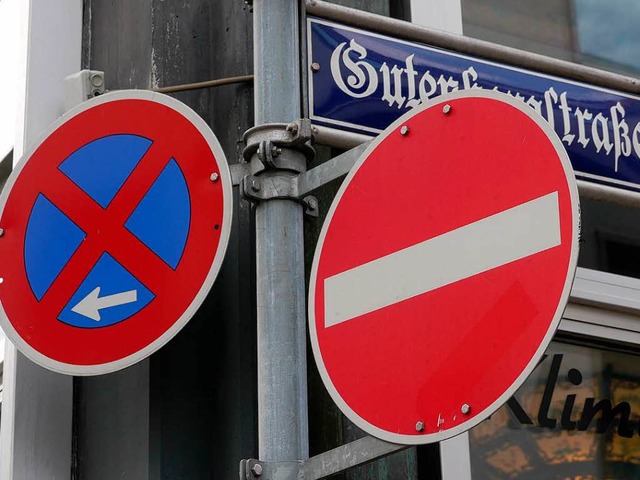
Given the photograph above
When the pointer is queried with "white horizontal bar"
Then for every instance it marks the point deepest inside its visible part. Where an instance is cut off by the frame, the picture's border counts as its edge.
(516, 233)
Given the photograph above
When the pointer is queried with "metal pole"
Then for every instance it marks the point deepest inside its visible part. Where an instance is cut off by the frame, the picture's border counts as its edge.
(282, 383)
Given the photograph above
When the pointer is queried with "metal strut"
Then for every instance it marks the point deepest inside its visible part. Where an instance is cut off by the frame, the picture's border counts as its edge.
(342, 458)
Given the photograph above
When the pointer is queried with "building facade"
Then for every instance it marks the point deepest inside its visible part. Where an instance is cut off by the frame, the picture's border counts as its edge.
(193, 409)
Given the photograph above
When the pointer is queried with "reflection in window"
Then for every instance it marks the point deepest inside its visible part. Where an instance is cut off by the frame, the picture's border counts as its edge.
(599, 33)
(615, 40)
(576, 418)
(540, 26)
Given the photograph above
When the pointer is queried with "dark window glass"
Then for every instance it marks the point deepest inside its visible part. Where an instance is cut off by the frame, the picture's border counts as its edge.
(575, 418)
(608, 34)
(592, 32)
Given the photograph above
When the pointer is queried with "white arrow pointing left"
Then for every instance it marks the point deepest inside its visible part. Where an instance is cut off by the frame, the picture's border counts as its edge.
(91, 305)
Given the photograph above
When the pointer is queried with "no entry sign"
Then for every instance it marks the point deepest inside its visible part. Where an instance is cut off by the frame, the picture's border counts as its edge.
(114, 229)
(443, 267)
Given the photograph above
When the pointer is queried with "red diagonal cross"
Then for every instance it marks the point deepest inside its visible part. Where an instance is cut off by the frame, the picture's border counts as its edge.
(105, 231)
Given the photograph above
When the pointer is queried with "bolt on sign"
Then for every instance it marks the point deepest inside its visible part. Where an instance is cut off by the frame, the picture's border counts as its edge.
(364, 81)
(114, 228)
(443, 267)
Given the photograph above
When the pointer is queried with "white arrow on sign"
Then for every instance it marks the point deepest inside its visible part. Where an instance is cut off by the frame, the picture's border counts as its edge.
(90, 305)
(516, 233)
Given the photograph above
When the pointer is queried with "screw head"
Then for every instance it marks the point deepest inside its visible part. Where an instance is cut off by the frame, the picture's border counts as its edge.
(419, 426)
(1, 232)
(255, 185)
(465, 409)
(404, 130)
(292, 128)
(315, 67)
(446, 109)
(97, 80)
(214, 177)
(256, 469)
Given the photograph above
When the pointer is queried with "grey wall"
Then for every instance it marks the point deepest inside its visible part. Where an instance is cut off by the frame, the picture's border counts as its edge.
(189, 411)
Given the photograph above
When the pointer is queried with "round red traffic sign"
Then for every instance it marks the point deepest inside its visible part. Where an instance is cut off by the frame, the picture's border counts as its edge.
(114, 229)
(443, 267)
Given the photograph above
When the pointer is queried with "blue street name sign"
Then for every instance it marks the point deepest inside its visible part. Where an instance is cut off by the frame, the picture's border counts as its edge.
(365, 81)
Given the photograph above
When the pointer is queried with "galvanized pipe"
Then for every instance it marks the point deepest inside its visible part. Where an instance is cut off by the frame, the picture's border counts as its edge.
(338, 138)
(282, 383)
(595, 191)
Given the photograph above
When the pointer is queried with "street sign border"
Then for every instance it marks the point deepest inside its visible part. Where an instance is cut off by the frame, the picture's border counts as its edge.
(345, 129)
(225, 231)
(419, 439)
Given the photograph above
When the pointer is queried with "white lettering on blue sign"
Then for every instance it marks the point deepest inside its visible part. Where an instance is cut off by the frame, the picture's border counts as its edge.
(405, 87)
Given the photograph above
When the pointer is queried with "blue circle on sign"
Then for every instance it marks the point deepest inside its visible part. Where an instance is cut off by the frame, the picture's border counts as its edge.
(109, 294)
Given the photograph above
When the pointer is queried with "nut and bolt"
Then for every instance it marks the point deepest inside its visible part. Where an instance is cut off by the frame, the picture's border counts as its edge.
(276, 151)
(292, 128)
(214, 177)
(256, 469)
(465, 409)
(255, 185)
(446, 109)
(315, 67)
(419, 426)
(404, 130)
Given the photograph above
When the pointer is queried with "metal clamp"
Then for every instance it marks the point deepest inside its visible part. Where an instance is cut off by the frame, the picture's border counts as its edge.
(275, 155)
(277, 185)
(272, 143)
(284, 184)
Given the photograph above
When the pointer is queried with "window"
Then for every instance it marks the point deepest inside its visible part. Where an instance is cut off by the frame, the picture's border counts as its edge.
(611, 44)
(576, 417)
(591, 32)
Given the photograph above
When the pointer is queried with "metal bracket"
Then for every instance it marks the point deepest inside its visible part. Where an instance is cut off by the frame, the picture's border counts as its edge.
(345, 457)
(256, 186)
(280, 185)
(329, 170)
(274, 155)
(82, 86)
(272, 142)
